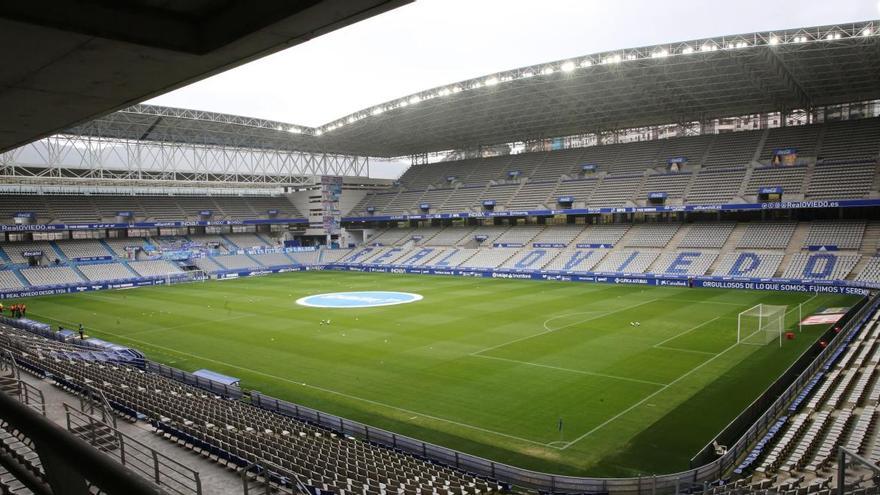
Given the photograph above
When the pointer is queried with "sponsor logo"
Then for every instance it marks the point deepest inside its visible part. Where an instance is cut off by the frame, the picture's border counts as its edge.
(365, 299)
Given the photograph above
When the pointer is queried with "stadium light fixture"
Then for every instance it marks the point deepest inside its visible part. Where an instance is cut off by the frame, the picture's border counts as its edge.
(444, 92)
(773, 40)
(492, 81)
(741, 44)
(319, 132)
(688, 50)
(587, 63)
(567, 66)
(414, 99)
(456, 89)
(867, 31)
(351, 120)
(547, 71)
(800, 39)
(377, 111)
(528, 73)
(295, 130)
(660, 54)
(631, 56)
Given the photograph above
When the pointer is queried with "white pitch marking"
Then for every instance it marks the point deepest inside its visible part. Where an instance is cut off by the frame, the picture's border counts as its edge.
(569, 370)
(689, 330)
(551, 330)
(327, 390)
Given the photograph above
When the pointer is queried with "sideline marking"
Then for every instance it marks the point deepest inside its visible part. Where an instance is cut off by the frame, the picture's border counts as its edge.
(322, 389)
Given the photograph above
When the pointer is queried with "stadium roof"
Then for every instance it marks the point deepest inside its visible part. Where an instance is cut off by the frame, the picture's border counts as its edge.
(676, 82)
(68, 61)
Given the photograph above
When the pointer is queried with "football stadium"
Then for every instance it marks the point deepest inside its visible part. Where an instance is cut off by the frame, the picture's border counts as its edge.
(649, 270)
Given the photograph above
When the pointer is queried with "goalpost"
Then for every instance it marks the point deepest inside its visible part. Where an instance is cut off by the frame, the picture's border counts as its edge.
(185, 277)
(761, 325)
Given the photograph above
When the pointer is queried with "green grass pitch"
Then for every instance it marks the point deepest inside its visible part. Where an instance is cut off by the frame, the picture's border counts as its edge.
(481, 365)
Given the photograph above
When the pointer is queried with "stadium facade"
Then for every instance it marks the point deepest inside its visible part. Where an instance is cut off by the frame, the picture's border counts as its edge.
(745, 162)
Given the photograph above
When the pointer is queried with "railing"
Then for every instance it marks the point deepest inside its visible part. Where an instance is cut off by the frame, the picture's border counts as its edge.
(170, 475)
(71, 466)
(26, 393)
(212, 386)
(666, 483)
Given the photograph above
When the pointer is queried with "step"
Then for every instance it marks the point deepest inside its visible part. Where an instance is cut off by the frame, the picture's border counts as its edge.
(9, 386)
(797, 239)
(98, 435)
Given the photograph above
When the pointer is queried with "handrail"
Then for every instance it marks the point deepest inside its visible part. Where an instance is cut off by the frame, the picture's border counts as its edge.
(137, 456)
(57, 448)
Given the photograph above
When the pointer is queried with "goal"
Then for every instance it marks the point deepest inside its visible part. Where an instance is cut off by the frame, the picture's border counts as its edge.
(188, 276)
(761, 325)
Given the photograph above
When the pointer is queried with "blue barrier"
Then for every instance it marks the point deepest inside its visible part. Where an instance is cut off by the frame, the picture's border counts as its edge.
(665, 280)
(770, 284)
(780, 205)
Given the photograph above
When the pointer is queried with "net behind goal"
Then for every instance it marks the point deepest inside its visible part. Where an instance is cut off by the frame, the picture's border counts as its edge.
(761, 325)
(188, 276)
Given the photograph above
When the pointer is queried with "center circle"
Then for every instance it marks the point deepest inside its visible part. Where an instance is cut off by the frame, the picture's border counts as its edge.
(364, 299)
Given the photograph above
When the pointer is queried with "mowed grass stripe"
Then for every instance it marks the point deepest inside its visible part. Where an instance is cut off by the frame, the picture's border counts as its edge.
(409, 368)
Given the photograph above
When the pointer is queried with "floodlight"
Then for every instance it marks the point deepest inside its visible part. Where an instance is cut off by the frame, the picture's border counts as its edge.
(528, 73)
(444, 92)
(414, 99)
(586, 63)
(295, 130)
(318, 132)
(351, 119)
(660, 54)
(688, 50)
(773, 40)
(547, 71)
(567, 66)
(492, 81)
(377, 111)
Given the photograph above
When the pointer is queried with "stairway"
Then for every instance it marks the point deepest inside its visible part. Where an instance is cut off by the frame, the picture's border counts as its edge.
(795, 245)
(109, 249)
(129, 268)
(760, 147)
(234, 245)
(21, 278)
(98, 435)
(80, 273)
(254, 260)
(58, 251)
(677, 238)
(729, 245)
(9, 386)
(871, 239)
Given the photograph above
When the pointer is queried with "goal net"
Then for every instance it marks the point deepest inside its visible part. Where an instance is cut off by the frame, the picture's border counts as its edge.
(185, 277)
(761, 325)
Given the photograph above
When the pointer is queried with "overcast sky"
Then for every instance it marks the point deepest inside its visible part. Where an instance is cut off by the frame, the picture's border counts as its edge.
(434, 42)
